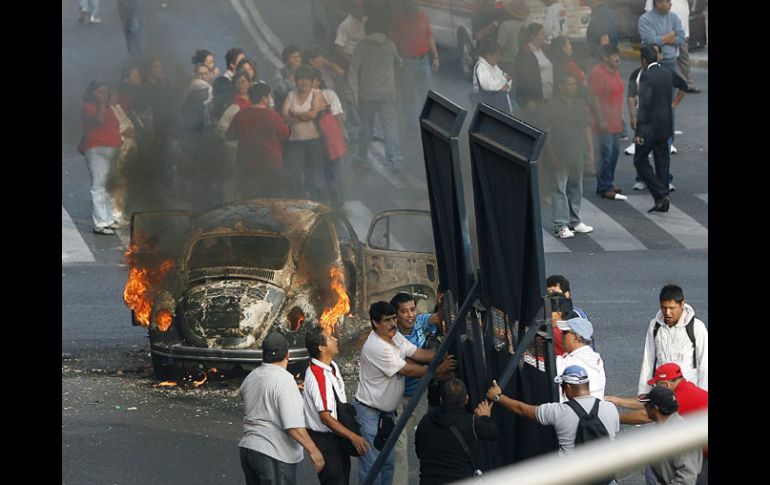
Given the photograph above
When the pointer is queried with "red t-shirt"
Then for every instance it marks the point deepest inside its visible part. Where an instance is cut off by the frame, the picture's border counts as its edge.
(608, 87)
(95, 134)
(242, 102)
(557, 333)
(260, 132)
(691, 398)
(411, 34)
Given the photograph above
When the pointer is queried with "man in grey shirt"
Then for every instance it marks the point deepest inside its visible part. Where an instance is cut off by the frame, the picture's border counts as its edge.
(661, 406)
(274, 423)
(574, 383)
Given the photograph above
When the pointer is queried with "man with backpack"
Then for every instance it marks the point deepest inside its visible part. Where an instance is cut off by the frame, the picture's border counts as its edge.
(582, 418)
(676, 336)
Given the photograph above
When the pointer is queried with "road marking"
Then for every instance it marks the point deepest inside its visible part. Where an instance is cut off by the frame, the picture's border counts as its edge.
(684, 228)
(266, 32)
(610, 235)
(73, 247)
(703, 197)
(261, 43)
(553, 245)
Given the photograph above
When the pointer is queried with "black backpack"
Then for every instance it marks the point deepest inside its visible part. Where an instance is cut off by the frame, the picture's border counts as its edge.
(590, 427)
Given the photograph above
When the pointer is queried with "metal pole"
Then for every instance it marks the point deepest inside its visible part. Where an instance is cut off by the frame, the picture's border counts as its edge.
(602, 458)
(409, 409)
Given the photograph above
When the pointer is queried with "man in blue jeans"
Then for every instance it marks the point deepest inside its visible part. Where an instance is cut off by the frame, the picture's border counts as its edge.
(381, 381)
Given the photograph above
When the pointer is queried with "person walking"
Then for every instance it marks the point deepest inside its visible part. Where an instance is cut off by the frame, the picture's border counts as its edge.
(274, 432)
(130, 12)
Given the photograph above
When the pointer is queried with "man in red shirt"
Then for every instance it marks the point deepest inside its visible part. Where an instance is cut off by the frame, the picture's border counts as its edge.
(606, 95)
(260, 131)
(411, 32)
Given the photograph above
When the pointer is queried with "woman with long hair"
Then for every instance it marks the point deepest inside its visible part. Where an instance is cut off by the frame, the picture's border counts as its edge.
(99, 145)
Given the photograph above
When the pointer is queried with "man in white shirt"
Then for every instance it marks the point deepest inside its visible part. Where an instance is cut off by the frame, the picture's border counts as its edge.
(350, 31)
(274, 425)
(386, 358)
(323, 386)
(576, 340)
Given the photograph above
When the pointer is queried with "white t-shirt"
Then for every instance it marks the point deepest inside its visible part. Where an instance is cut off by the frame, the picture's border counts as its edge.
(589, 360)
(555, 23)
(333, 100)
(488, 77)
(272, 405)
(546, 71)
(349, 33)
(321, 381)
(379, 384)
(565, 420)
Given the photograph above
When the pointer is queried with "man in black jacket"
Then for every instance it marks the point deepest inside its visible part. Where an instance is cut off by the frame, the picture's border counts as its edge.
(442, 455)
(654, 125)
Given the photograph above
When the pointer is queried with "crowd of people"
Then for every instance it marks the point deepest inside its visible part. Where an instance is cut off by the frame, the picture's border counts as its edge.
(233, 136)
(281, 420)
(530, 70)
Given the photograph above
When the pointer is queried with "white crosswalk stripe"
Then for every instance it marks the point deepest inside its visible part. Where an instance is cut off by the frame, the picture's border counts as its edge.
(553, 245)
(73, 247)
(703, 197)
(682, 227)
(608, 233)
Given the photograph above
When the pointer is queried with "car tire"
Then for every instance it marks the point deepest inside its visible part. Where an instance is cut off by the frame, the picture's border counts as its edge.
(466, 55)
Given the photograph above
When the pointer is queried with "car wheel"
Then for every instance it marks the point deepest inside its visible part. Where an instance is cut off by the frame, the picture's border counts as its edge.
(164, 370)
(467, 55)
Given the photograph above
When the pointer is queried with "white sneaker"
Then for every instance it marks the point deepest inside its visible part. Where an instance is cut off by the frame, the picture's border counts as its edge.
(630, 149)
(564, 233)
(640, 186)
(620, 197)
(671, 187)
(583, 228)
(95, 19)
(673, 149)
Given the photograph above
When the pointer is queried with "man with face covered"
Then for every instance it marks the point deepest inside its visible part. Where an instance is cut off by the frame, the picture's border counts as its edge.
(669, 340)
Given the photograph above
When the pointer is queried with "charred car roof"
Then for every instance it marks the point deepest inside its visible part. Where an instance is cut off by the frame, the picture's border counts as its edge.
(281, 216)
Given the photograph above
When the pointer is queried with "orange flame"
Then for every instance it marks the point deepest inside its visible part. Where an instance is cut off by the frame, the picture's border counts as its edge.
(139, 289)
(164, 320)
(166, 384)
(330, 315)
(202, 381)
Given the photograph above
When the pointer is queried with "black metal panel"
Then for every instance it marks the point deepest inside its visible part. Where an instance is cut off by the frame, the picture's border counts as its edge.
(506, 200)
(440, 124)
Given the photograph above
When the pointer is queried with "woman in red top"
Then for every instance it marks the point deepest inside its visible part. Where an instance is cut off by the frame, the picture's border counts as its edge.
(100, 145)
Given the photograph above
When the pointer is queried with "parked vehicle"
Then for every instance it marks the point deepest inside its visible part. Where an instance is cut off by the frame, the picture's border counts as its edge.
(217, 283)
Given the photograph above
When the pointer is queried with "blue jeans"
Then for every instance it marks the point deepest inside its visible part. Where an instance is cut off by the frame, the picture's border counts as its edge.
(130, 12)
(567, 193)
(389, 118)
(607, 147)
(100, 161)
(90, 6)
(416, 80)
(260, 469)
(367, 419)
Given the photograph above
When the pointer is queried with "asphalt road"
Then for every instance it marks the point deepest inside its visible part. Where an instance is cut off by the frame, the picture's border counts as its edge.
(186, 435)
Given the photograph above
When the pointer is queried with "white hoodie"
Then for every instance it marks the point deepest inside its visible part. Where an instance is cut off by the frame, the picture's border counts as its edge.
(673, 345)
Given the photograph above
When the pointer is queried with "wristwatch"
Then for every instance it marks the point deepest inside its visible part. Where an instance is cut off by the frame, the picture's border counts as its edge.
(497, 397)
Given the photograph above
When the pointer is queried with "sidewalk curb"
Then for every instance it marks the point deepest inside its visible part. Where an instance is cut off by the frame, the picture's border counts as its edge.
(632, 52)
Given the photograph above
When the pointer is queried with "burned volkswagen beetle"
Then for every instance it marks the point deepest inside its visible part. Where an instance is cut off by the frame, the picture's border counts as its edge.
(211, 286)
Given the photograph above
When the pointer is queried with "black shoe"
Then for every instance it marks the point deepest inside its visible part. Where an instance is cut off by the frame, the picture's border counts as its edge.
(661, 204)
(692, 90)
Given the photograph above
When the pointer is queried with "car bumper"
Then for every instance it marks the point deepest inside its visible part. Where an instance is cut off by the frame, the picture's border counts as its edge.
(179, 352)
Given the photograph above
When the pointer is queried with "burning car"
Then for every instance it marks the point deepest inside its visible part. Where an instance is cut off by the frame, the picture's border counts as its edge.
(209, 287)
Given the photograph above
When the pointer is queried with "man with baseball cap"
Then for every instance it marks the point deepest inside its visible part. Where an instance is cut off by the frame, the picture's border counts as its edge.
(274, 423)
(661, 406)
(576, 334)
(574, 383)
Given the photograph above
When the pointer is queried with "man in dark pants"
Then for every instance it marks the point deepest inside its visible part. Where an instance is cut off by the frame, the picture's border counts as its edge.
(130, 12)
(654, 125)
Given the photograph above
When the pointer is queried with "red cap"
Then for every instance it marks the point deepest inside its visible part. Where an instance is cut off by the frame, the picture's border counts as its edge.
(665, 372)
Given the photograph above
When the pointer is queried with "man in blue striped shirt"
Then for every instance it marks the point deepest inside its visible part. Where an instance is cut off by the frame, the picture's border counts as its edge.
(416, 329)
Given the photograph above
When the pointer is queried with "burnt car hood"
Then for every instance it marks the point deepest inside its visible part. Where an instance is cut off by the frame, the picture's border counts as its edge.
(230, 313)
